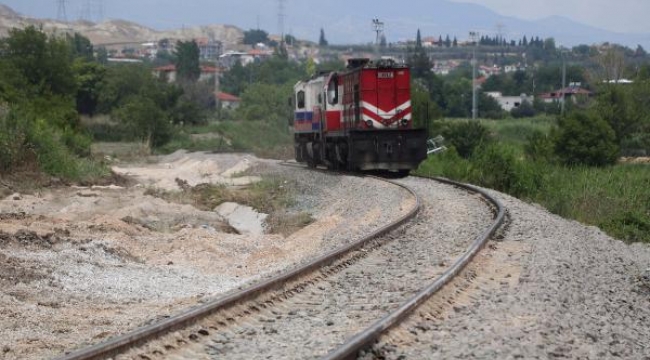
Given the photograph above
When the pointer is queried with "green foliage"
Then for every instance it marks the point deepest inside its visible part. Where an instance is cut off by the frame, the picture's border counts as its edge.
(89, 76)
(263, 138)
(499, 167)
(322, 41)
(525, 109)
(424, 109)
(44, 62)
(187, 63)
(145, 120)
(418, 60)
(274, 71)
(81, 47)
(26, 140)
(465, 136)
(146, 107)
(265, 102)
(586, 139)
(615, 198)
(253, 37)
(540, 147)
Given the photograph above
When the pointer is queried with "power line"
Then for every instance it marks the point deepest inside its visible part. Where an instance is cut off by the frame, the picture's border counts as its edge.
(92, 10)
(60, 12)
(281, 17)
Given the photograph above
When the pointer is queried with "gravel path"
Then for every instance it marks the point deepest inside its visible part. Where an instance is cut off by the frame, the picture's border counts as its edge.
(552, 288)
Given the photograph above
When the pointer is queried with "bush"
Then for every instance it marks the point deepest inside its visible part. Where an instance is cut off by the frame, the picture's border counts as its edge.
(586, 139)
(145, 120)
(540, 147)
(526, 109)
(465, 136)
(499, 168)
(26, 140)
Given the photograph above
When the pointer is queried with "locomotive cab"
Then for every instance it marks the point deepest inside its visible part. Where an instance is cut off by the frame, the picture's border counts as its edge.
(359, 119)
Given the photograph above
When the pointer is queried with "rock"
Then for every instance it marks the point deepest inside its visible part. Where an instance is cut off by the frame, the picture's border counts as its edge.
(242, 218)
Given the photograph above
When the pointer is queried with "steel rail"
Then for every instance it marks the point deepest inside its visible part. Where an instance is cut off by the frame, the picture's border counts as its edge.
(365, 338)
(140, 336)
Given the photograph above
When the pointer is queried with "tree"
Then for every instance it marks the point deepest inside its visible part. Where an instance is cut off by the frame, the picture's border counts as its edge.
(44, 62)
(145, 119)
(382, 41)
(254, 37)
(187, 55)
(586, 139)
(419, 60)
(322, 41)
(265, 102)
(89, 76)
(81, 46)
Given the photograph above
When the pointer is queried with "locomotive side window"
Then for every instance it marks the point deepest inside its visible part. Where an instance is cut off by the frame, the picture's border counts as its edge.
(333, 91)
(300, 99)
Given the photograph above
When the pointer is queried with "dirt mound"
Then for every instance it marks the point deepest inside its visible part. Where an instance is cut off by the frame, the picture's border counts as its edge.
(29, 239)
(14, 271)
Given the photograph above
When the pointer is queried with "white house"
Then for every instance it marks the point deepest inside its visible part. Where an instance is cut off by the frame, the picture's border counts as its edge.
(508, 103)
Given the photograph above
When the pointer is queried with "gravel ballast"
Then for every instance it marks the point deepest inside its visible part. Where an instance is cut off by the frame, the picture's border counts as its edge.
(551, 288)
(80, 265)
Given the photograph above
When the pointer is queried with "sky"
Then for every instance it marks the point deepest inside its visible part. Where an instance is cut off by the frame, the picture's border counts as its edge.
(623, 16)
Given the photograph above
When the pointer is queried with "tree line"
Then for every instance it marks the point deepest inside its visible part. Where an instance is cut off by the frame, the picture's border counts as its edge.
(48, 82)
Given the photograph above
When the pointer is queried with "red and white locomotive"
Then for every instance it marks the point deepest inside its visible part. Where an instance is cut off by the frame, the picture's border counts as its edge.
(358, 119)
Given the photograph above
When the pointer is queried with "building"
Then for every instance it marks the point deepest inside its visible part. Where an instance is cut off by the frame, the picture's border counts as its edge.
(169, 72)
(508, 103)
(227, 101)
(572, 92)
(209, 49)
(229, 58)
(488, 71)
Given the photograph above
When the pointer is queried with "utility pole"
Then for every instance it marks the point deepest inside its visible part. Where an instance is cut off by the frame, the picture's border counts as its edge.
(378, 28)
(92, 10)
(281, 17)
(563, 81)
(60, 12)
(474, 35)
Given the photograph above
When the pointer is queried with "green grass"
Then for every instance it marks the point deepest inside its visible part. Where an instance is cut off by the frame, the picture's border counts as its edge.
(261, 138)
(516, 131)
(615, 198)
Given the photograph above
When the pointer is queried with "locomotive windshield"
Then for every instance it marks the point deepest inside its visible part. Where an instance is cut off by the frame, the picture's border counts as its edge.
(333, 91)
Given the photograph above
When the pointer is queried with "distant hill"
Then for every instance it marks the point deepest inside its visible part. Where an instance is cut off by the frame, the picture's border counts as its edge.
(118, 31)
(440, 17)
(344, 22)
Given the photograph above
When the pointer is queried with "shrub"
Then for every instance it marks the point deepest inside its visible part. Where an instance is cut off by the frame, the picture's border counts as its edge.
(465, 136)
(526, 109)
(540, 147)
(586, 139)
(499, 168)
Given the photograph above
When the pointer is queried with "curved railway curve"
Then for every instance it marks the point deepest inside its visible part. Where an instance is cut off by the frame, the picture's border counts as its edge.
(334, 301)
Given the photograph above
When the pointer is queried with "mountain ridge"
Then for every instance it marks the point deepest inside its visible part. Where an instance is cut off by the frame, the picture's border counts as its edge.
(117, 31)
(351, 26)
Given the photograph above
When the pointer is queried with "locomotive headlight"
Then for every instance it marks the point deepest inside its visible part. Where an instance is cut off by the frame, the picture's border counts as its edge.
(369, 123)
(405, 122)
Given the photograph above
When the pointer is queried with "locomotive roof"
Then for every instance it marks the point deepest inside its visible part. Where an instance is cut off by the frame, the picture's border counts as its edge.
(366, 63)
(356, 64)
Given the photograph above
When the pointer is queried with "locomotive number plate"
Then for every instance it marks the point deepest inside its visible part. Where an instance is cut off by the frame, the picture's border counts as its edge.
(385, 75)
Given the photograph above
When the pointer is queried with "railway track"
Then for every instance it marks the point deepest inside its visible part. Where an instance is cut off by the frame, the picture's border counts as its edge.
(330, 306)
